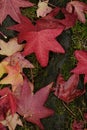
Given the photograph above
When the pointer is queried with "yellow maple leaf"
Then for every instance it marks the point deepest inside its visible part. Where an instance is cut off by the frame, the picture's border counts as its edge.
(2, 68)
(14, 76)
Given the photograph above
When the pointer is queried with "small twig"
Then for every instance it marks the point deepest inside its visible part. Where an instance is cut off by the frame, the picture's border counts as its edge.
(51, 5)
(73, 114)
(3, 97)
(3, 35)
(80, 113)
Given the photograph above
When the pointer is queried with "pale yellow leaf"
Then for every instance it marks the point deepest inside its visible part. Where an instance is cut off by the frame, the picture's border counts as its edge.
(2, 68)
(12, 121)
(10, 47)
(43, 8)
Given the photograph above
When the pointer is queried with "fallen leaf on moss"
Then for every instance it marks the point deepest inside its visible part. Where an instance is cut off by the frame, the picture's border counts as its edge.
(31, 106)
(12, 121)
(43, 8)
(2, 68)
(10, 47)
(24, 26)
(18, 58)
(7, 102)
(68, 90)
(68, 21)
(39, 41)
(80, 9)
(2, 127)
(14, 76)
(81, 67)
(12, 8)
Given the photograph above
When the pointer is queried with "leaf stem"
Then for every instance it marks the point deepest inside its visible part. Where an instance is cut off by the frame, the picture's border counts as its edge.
(73, 114)
(80, 113)
(3, 35)
(3, 97)
(32, 77)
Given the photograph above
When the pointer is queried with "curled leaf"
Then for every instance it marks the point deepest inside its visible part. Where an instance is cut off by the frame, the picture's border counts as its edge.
(80, 8)
(67, 90)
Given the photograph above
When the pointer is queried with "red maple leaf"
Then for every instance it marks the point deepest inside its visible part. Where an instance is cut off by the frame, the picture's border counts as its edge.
(68, 21)
(24, 26)
(47, 22)
(39, 41)
(7, 102)
(31, 106)
(77, 125)
(2, 127)
(79, 9)
(67, 90)
(81, 67)
(11, 7)
(85, 116)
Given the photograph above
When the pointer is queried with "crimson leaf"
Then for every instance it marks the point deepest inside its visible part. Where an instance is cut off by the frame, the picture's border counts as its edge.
(11, 7)
(31, 106)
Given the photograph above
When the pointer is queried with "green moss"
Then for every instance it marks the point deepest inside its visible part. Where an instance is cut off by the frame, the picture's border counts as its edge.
(63, 118)
(79, 42)
(30, 12)
(37, 68)
(27, 126)
(80, 36)
(69, 63)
